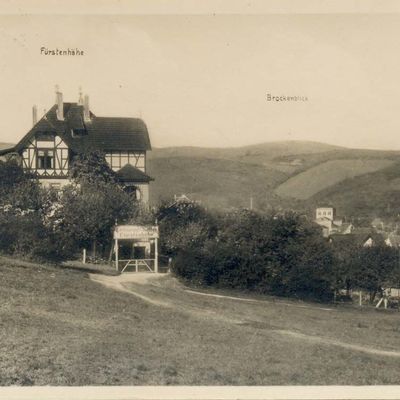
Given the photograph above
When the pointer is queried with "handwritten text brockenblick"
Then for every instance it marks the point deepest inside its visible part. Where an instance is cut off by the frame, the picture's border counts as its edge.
(61, 52)
(270, 97)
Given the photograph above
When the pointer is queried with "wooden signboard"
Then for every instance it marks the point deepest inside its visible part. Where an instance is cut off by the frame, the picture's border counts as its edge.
(136, 232)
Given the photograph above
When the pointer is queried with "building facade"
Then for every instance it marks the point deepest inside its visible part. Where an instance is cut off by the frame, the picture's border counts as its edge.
(69, 129)
(326, 218)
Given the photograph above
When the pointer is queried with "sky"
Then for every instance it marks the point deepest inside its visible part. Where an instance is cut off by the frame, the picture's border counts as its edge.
(204, 80)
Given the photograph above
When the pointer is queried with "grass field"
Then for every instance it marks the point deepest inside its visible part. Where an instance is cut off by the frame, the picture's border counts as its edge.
(376, 193)
(218, 183)
(58, 327)
(306, 184)
(277, 174)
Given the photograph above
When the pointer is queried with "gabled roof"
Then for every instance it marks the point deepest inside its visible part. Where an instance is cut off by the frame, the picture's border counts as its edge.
(393, 239)
(345, 226)
(356, 238)
(129, 173)
(100, 133)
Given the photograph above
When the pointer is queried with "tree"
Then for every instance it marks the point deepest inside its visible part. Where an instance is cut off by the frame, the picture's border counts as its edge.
(277, 254)
(24, 208)
(90, 206)
(11, 175)
(182, 225)
(375, 268)
(345, 252)
(91, 168)
(19, 190)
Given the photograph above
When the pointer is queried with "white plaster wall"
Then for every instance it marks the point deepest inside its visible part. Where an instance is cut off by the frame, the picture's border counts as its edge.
(144, 190)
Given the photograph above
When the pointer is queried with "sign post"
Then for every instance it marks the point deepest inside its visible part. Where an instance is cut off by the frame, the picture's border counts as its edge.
(116, 254)
(156, 255)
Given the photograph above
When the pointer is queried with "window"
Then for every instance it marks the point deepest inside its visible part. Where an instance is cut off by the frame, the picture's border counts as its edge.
(133, 191)
(45, 159)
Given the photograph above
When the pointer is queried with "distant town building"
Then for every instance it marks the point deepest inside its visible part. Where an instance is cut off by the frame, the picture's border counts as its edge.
(359, 237)
(325, 213)
(378, 224)
(68, 129)
(327, 219)
(392, 240)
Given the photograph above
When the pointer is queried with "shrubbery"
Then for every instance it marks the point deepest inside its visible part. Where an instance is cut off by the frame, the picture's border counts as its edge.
(23, 207)
(367, 268)
(283, 255)
(41, 223)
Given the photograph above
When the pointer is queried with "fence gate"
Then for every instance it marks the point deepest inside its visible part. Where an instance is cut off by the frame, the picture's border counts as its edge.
(136, 248)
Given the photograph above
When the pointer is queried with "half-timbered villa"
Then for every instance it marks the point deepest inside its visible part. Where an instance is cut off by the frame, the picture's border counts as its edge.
(68, 129)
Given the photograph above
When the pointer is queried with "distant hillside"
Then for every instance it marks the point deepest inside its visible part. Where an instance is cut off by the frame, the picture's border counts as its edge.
(6, 145)
(286, 174)
(218, 183)
(279, 174)
(315, 179)
(256, 154)
(373, 194)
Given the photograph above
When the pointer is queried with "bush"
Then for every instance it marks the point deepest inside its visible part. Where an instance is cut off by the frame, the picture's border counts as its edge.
(283, 255)
(27, 236)
(40, 223)
(182, 226)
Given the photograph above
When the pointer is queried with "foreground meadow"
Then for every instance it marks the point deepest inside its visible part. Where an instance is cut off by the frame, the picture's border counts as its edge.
(59, 327)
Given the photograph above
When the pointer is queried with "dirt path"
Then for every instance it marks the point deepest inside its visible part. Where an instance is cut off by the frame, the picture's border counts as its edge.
(255, 301)
(119, 283)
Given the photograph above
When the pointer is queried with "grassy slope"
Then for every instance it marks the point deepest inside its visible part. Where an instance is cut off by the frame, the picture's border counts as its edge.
(313, 180)
(219, 183)
(204, 173)
(373, 194)
(259, 152)
(60, 328)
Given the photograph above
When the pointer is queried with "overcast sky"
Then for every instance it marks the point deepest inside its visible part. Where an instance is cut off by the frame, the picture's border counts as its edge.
(203, 81)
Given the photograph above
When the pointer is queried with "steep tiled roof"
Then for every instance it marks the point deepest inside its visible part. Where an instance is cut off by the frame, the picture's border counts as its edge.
(356, 238)
(100, 133)
(129, 173)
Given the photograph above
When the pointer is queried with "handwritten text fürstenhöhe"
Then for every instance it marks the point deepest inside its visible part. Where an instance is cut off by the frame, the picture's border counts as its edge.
(44, 51)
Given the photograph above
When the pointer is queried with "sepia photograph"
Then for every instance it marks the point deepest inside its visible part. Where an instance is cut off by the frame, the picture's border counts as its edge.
(200, 200)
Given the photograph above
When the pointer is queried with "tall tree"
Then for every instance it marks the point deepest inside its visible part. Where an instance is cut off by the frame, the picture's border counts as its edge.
(91, 205)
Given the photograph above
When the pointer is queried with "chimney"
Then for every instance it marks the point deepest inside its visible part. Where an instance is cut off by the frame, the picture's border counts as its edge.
(34, 115)
(86, 112)
(80, 101)
(60, 105)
